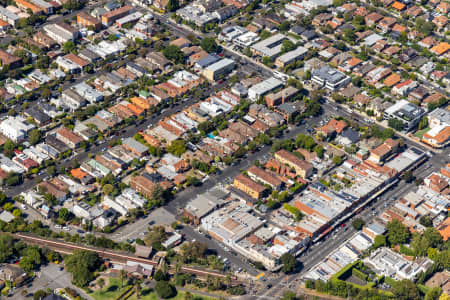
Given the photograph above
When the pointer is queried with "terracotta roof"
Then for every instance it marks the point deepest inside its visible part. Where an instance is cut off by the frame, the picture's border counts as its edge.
(250, 183)
(78, 173)
(440, 49)
(76, 59)
(398, 5)
(392, 80)
(444, 229)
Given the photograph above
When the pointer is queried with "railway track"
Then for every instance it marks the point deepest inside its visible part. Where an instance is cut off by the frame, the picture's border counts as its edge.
(67, 248)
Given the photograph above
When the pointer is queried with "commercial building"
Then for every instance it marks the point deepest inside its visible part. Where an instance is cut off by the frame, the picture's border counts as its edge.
(204, 204)
(110, 17)
(61, 32)
(439, 134)
(290, 57)
(330, 78)
(405, 111)
(264, 87)
(219, 69)
(270, 47)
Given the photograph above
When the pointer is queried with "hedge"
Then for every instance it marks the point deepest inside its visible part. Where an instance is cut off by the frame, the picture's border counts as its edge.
(357, 273)
(344, 271)
(389, 280)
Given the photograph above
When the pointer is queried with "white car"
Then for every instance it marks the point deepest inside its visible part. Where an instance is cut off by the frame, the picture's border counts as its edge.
(24, 206)
(66, 228)
(58, 226)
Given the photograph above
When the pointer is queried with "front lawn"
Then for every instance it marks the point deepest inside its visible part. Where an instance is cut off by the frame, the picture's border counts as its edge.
(149, 294)
(112, 291)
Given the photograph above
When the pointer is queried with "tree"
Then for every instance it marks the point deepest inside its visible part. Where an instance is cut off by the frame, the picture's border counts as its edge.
(397, 232)
(289, 295)
(177, 147)
(69, 46)
(285, 26)
(122, 275)
(358, 223)
(155, 236)
(46, 93)
(160, 276)
(433, 294)
(433, 237)
(17, 213)
(108, 189)
(289, 263)
(40, 294)
(101, 283)
(405, 290)
(408, 176)
(172, 5)
(165, 290)
(337, 160)
(379, 241)
(396, 124)
(34, 136)
(6, 247)
(209, 44)
(64, 214)
(82, 265)
(287, 46)
(426, 221)
(174, 53)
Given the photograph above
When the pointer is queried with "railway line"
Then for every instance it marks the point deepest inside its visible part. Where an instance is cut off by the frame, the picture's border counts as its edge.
(68, 248)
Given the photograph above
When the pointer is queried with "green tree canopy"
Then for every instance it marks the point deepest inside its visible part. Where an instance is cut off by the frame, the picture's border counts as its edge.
(397, 232)
(209, 44)
(174, 53)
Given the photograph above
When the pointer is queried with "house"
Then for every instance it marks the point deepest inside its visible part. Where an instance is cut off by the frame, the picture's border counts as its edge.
(69, 138)
(404, 88)
(159, 60)
(440, 49)
(9, 59)
(373, 19)
(13, 273)
(348, 137)
(248, 186)
(15, 128)
(135, 147)
(40, 117)
(386, 24)
(332, 128)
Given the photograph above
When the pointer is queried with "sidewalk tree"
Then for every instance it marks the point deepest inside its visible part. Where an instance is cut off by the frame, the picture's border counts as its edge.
(358, 223)
(289, 263)
(209, 44)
